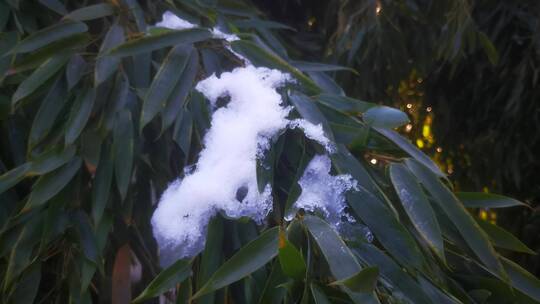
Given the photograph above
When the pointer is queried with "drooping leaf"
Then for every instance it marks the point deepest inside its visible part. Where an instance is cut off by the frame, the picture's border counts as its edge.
(262, 57)
(487, 200)
(107, 65)
(102, 186)
(521, 279)
(158, 41)
(344, 104)
(473, 235)
(50, 34)
(50, 160)
(248, 259)
(309, 111)
(320, 67)
(43, 73)
(27, 288)
(13, 176)
(165, 280)
(417, 207)
(363, 281)
(55, 5)
(80, 113)
(385, 117)
(123, 147)
(318, 295)
(164, 83)
(504, 239)
(75, 70)
(50, 184)
(91, 12)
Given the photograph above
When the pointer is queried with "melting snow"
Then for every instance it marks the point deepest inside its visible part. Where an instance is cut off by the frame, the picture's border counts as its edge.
(224, 178)
(324, 193)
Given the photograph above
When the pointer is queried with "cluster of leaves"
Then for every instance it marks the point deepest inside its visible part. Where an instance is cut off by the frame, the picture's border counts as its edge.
(98, 114)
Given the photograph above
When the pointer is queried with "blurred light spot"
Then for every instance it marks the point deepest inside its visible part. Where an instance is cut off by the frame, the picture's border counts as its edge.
(408, 127)
(420, 143)
(409, 106)
(483, 214)
(428, 109)
(373, 161)
(439, 149)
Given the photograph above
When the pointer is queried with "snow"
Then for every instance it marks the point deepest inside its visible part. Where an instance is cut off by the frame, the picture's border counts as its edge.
(224, 179)
(324, 193)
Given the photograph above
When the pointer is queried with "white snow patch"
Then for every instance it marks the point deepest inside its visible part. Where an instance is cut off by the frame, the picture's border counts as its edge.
(171, 21)
(324, 193)
(239, 132)
(221, 35)
(314, 132)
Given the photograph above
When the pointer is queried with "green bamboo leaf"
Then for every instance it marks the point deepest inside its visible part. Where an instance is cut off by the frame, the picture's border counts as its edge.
(337, 254)
(50, 184)
(487, 200)
(51, 160)
(43, 73)
(309, 111)
(27, 288)
(385, 117)
(344, 104)
(107, 65)
(165, 280)
(211, 257)
(291, 260)
(326, 83)
(50, 34)
(521, 279)
(87, 238)
(320, 67)
(49, 109)
(102, 184)
(410, 149)
(13, 176)
(123, 147)
(91, 12)
(392, 272)
(417, 207)
(163, 39)
(504, 239)
(273, 291)
(489, 48)
(55, 5)
(262, 57)
(473, 235)
(363, 281)
(164, 83)
(368, 204)
(177, 98)
(80, 113)
(75, 70)
(318, 295)
(183, 129)
(249, 258)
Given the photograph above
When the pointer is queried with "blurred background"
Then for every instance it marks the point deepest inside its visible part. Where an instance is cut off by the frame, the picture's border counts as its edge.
(466, 72)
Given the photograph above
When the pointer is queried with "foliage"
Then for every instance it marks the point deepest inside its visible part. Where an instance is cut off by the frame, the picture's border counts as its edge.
(99, 115)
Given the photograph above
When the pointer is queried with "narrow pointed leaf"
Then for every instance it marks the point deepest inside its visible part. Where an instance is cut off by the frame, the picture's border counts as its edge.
(123, 146)
(91, 12)
(473, 235)
(102, 186)
(157, 41)
(385, 117)
(50, 34)
(13, 176)
(318, 295)
(165, 280)
(504, 239)
(51, 160)
(417, 207)
(249, 258)
(80, 112)
(50, 184)
(291, 260)
(363, 281)
(107, 65)
(487, 200)
(521, 279)
(164, 83)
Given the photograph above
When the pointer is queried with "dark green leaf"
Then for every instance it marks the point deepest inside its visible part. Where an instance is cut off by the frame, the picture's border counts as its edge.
(91, 12)
(326, 83)
(49, 109)
(318, 296)
(249, 258)
(102, 184)
(50, 184)
(80, 112)
(417, 207)
(50, 34)
(123, 146)
(26, 289)
(51, 160)
(87, 238)
(262, 57)
(344, 104)
(320, 67)
(504, 239)
(211, 257)
(55, 5)
(178, 96)
(106, 65)
(74, 70)
(165, 280)
(489, 48)
(385, 117)
(183, 128)
(13, 176)
(43, 73)
(363, 281)
(291, 260)
(475, 237)
(406, 146)
(164, 83)
(309, 111)
(158, 41)
(521, 279)
(487, 200)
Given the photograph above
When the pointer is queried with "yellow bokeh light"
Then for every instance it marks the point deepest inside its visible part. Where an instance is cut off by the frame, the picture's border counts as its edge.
(420, 143)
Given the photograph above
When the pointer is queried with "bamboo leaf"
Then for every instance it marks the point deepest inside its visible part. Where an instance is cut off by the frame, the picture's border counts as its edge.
(165, 280)
(50, 34)
(487, 200)
(80, 113)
